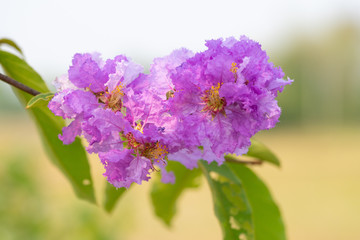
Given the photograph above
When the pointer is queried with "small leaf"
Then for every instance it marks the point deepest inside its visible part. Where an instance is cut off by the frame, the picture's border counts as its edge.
(165, 196)
(70, 159)
(11, 43)
(259, 151)
(112, 195)
(40, 100)
(242, 203)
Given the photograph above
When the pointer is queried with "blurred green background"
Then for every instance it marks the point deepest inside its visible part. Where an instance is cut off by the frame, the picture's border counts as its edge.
(317, 140)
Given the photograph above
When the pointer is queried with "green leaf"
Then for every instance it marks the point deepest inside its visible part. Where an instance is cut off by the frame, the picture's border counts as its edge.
(231, 205)
(40, 100)
(266, 214)
(11, 43)
(165, 196)
(112, 195)
(242, 203)
(70, 159)
(259, 151)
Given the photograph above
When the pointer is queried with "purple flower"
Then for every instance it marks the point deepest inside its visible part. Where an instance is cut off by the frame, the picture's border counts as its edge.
(223, 96)
(189, 107)
(91, 84)
(140, 151)
(112, 107)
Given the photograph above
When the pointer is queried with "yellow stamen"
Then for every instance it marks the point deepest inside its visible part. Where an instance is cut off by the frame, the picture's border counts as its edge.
(234, 69)
(114, 98)
(139, 127)
(214, 103)
(156, 152)
(214, 96)
(151, 150)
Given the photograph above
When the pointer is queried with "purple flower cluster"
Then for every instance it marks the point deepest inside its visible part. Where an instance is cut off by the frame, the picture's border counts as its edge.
(189, 107)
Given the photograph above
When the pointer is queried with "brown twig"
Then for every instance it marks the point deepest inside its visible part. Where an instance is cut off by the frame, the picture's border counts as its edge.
(253, 162)
(18, 85)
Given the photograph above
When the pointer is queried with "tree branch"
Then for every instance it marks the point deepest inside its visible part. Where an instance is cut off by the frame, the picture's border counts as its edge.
(18, 85)
(254, 162)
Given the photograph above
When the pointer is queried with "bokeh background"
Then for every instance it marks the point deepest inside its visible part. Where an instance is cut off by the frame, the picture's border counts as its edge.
(317, 43)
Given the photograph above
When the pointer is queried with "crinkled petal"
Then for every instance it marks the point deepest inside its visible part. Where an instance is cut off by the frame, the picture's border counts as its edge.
(86, 73)
(162, 68)
(116, 163)
(71, 103)
(138, 169)
(61, 83)
(71, 131)
(167, 177)
(187, 157)
(122, 168)
(126, 72)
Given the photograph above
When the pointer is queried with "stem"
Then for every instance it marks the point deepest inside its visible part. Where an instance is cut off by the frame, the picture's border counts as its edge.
(254, 162)
(18, 85)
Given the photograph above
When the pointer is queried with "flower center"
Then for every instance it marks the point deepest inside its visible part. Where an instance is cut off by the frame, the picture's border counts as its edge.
(154, 151)
(114, 98)
(111, 99)
(214, 103)
(130, 141)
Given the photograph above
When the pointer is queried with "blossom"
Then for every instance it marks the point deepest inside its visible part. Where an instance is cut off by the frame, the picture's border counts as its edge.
(189, 107)
(223, 96)
(108, 107)
(129, 152)
(91, 84)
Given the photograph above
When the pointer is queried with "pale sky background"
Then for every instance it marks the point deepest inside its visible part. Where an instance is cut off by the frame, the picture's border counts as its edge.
(50, 32)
